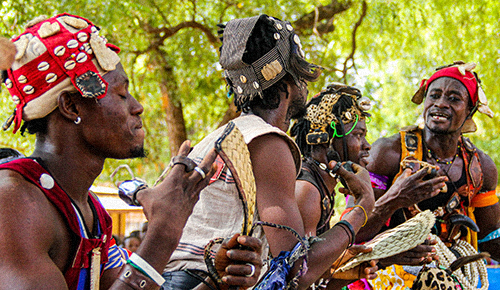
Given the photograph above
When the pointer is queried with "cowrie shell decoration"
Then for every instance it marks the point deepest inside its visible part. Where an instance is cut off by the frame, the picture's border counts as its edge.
(43, 66)
(50, 78)
(72, 43)
(60, 50)
(29, 89)
(81, 57)
(69, 65)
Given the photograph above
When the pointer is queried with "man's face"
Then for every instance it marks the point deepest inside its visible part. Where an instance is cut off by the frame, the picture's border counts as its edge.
(357, 146)
(446, 105)
(112, 126)
(298, 97)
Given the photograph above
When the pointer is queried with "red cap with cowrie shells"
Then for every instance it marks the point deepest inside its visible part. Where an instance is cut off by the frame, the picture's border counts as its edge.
(62, 53)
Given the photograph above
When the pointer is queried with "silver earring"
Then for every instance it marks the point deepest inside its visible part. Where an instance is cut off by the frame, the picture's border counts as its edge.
(78, 120)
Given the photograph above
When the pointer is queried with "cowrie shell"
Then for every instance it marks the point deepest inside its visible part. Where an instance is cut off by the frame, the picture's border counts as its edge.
(279, 26)
(256, 85)
(81, 57)
(29, 89)
(243, 79)
(277, 36)
(50, 78)
(69, 65)
(82, 36)
(87, 48)
(46, 181)
(43, 66)
(289, 27)
(72, 43)
(15, 99)
(22, 79)
(60, 50)
(296, 39)
(239, 90)
(8, 83)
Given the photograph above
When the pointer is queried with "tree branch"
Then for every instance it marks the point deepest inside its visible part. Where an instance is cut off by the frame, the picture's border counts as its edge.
(355, 29)
(321, 13)
(165, 32)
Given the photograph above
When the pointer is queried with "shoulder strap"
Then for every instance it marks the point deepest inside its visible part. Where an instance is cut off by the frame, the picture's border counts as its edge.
(234, 152)
(411, 145)
(472, 166)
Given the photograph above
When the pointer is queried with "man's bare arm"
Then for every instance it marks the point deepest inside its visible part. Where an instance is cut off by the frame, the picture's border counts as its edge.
(488, 218)
(29, 227)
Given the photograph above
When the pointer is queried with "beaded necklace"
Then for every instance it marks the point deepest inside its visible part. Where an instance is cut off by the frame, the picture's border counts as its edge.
(432, 155)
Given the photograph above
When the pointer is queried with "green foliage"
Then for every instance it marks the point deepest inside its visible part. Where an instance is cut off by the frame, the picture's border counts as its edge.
(397, 44)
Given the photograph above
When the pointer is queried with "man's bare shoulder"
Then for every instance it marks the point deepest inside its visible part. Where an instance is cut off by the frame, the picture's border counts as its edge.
(490, 171)
(24, 210)
(385, 156)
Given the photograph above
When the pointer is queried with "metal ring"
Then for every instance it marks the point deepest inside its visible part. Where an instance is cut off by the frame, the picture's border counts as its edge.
(253, 270)
(187, 162)
(200, 171)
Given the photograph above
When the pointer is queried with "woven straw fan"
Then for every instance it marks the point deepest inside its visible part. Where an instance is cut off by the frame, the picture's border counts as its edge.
(234, 151)
(400, 239)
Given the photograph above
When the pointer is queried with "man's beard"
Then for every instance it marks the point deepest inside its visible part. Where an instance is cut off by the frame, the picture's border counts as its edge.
(138, 152)
(297, 109)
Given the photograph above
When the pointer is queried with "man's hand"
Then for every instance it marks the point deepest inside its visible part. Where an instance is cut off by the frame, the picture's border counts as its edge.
(421, 254)
(359, 185)
(172, 201)
(234, 258)
(365, 270)
(409, 189)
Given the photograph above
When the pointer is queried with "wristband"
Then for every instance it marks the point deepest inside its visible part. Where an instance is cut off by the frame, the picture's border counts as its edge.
(349, 230)
(140, 264)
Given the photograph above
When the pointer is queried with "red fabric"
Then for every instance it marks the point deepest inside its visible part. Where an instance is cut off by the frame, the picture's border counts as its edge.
(468, 80)
(37, 79)
(32, 171)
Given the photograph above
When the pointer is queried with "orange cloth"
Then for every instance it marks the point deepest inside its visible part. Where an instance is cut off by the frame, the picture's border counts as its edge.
(484, 199)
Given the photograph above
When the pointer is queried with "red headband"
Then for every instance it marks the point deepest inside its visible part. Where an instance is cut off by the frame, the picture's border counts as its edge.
(468, 80)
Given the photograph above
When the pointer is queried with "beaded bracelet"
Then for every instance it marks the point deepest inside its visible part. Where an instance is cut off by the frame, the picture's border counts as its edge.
(364, 211)
(140, 264)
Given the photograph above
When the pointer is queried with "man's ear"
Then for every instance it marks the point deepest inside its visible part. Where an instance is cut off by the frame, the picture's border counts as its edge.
(67, 105)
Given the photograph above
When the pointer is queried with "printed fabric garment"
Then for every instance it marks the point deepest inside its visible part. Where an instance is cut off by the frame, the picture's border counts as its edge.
(78, 275)
(219, 211)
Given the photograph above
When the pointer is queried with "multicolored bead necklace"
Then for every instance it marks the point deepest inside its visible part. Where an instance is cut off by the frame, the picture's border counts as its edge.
(432, 155)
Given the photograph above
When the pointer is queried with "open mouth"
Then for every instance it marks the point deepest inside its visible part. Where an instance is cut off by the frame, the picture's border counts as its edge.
(439, 116)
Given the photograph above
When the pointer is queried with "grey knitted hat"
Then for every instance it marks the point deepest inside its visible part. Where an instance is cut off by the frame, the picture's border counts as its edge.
(249, 80)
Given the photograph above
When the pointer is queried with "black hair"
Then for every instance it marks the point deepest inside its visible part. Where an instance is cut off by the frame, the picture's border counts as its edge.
(260, 42)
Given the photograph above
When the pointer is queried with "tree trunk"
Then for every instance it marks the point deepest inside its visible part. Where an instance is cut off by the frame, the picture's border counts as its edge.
(176, 126)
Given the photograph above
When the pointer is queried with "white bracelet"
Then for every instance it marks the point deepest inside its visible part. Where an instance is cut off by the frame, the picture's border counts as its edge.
(150, 271)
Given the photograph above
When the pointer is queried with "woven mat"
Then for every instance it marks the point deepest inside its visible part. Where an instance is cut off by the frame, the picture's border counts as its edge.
(400, 239)
(233, 150)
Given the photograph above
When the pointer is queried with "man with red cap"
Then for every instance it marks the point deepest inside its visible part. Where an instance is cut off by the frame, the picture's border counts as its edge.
(467, 207)
(71, 90)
